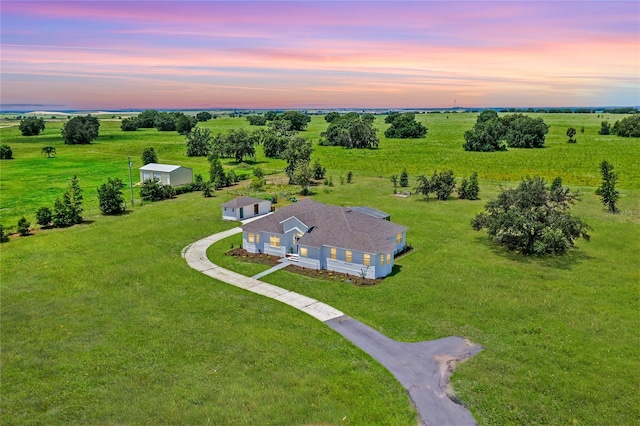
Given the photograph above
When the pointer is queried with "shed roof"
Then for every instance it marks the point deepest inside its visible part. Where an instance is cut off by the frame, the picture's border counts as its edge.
(155, 167)
(242, 202)
(371, 211)
(333, 226)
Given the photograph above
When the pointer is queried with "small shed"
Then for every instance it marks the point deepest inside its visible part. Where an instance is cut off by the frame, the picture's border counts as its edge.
(167, 174)
(245, 207)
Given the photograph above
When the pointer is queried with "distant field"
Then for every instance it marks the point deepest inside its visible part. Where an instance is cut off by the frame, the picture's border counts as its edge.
(104, 323)
(32, 180)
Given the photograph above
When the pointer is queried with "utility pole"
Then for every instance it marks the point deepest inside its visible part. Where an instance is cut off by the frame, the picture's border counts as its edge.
(130, 180)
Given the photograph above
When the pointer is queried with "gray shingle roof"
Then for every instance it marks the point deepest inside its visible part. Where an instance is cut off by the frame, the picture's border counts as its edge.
(333, 226)
(242, 202)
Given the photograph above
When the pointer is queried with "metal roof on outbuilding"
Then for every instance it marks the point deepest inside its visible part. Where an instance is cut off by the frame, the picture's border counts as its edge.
(242, 202)
(156, 167)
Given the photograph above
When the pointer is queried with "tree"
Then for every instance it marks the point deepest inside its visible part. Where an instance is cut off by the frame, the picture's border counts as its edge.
(318, 170)
(469, 189)
(607, 190)
(184, 123)
(130, 124)
(332, 116)
(258, 172)
(73, 200)
(487, 115)
(50, 151)
(351, 130)
(523, 131)
(110, 197)
(394, 180)
(206, 192)
(605, 128)
(217, 175)
(5, 152)
(627, 127)
(349, 176)
(443, 184)
(404, 178)
(485, 136)
(530, 219)
(199, 142)
(297, 119)
(571, 132)
(61, 216)
(24, 227)
(297, 149)
(204, 116)
(302, 176)
(271, 115)
(256, 120)
(274, 139)
(149, 156)
(165, 122)
(147, 119)
(404, 126)
(31, 126)
(424, 186)
(241, 143)
(44, 216)
(80, 130)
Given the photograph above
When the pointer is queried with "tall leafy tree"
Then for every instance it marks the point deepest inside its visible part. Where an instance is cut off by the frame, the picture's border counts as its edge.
(571, 132)
(297, 119)
(147, 119)
(523, 131)
(199, 142)
(184, 123)
(31, 126)
(80, 130)
(533, 218)
(149, 155)
(217, 175)
(130, 124)
(607, 190)
(351, 130)
(165, 122)
(485, 136)
(404, 126)
(605, 128)
(628, 127)
(298, 149)
(204, 116)
(110, 197)
(469, 189)
(302, 174)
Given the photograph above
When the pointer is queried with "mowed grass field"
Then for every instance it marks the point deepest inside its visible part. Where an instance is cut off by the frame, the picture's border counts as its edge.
(105, 323)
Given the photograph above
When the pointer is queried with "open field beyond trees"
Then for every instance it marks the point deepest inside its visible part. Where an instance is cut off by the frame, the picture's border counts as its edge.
(104, 322)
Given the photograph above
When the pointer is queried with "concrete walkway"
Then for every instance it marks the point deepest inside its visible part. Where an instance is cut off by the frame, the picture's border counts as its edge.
(270, 270)
(423, 368)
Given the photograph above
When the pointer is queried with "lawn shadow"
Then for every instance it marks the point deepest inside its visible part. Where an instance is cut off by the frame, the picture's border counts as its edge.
(395, 270)
(565, 261)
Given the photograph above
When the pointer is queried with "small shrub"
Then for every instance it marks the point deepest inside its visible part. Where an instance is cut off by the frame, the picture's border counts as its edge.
(44, 216)
(5, 152)
(207, 192)
(3, 235)
(404, 179)
(349, 176)
(24, 227)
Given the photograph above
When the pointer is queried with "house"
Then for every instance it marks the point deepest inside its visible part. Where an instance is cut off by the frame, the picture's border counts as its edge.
(245, 207)
(328, 237)
(166, 174)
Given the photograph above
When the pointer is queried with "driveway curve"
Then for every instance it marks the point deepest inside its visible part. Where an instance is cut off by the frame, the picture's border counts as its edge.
(423, 368)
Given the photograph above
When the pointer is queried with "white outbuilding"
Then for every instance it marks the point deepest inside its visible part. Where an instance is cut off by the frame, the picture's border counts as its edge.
(167, 174)
(245, 207)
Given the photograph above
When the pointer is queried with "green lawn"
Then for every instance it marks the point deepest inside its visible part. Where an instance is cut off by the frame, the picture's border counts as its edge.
(105, 323)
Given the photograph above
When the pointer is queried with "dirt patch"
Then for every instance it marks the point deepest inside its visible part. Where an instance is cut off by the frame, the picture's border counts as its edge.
(265, 259)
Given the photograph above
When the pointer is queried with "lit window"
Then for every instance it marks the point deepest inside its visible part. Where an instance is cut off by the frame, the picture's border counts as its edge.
(381, 259)
(257, 238)
(251, 237)
(388, 258)
(293, 239)
(274, 241)
(303, 251)
(367, 259)
(347, 256)
(399, 238)
(333, 253)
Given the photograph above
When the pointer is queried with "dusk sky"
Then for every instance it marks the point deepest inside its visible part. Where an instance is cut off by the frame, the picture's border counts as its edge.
(329, 54)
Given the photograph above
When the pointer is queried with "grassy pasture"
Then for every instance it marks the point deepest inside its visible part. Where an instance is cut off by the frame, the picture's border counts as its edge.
(105, 323)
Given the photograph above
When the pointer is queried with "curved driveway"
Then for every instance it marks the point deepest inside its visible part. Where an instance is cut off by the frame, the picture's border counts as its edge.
(423, 368)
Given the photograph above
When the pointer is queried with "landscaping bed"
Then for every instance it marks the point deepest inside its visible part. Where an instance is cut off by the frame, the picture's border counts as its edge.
(267, 259)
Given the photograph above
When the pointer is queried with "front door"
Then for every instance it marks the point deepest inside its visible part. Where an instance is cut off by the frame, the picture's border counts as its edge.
(255, 209)
(241, 212)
